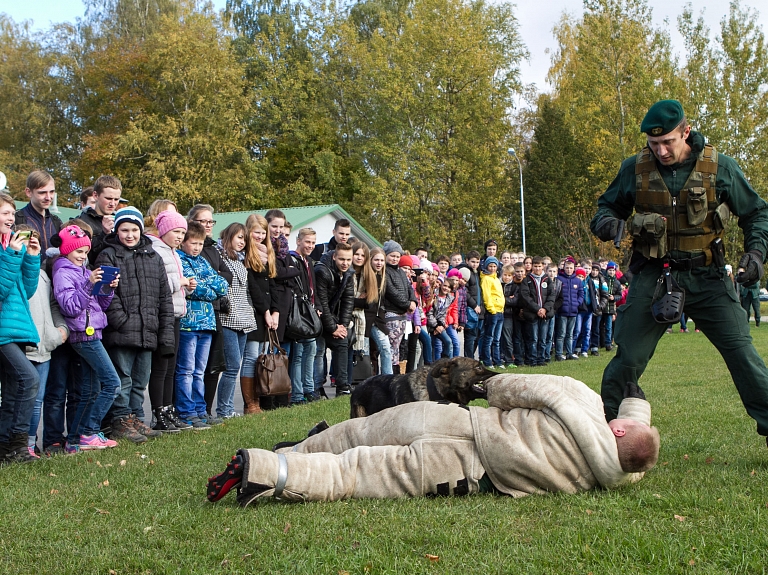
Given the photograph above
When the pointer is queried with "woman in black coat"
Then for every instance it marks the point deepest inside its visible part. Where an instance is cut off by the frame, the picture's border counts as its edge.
(203, 215)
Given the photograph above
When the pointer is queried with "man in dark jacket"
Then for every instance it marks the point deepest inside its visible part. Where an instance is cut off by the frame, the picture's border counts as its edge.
(41, 192)
(537, 295)
(101, 217)
(597, 296)
(342, 230)
(334, 297)
(614, 294)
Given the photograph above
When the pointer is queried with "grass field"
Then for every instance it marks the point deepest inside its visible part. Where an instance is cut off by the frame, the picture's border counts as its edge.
(142, 510)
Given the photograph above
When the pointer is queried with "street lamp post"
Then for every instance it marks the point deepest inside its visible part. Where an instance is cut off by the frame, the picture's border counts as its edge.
(511, 152)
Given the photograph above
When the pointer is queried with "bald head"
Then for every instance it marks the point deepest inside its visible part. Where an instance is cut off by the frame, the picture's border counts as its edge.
(638, 444)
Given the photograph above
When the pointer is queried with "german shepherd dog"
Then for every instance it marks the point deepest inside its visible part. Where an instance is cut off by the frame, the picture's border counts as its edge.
(456, 379)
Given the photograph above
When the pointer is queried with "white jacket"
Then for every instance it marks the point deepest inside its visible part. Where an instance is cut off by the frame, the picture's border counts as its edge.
(547, 433)
(47, 318)
(174, 272)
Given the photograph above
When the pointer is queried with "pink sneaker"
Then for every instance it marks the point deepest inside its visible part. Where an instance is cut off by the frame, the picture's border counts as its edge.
(32, 452)
(96, 441)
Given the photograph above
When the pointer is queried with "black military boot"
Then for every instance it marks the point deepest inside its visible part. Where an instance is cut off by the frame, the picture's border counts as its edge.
(163, 422)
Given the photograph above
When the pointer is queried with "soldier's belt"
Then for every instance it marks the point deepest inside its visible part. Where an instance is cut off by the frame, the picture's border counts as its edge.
(687, 264)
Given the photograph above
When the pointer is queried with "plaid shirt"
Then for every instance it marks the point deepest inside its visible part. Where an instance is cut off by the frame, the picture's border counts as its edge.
(461, 297)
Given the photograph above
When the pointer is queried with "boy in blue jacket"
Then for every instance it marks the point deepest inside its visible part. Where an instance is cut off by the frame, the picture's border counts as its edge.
(572, 297)
(197, 327)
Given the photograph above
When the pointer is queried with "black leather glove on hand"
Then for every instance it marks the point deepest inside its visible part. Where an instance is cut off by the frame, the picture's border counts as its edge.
(750, 268)
(633, 390)
(607, 228)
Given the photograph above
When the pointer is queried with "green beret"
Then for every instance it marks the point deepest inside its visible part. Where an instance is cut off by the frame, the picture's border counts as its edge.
(663, 117)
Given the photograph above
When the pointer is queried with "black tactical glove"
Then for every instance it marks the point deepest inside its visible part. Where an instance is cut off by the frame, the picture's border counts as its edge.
(750, 268)
(607, 228)
(633, 390)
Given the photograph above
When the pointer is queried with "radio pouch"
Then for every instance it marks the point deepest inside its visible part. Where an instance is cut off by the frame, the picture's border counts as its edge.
(650, 234)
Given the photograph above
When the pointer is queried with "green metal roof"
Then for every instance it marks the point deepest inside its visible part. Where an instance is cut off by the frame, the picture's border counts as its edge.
(300, 217)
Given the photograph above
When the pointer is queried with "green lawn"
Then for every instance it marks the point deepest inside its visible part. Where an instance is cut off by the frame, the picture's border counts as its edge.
(137, 510)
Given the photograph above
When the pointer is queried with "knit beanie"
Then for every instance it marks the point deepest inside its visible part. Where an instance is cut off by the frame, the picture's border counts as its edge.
(465, 274)
(129, 215)
(488, 261)
(167, 221)
(392, 246)
(72, 238)
(435, 268)
(454, 273)
(426, 265)
(416, 263)
(581, 272)
(405, 262)
(611, 266)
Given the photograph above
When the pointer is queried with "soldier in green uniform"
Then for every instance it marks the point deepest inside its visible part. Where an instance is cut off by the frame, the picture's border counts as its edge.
(682, 192)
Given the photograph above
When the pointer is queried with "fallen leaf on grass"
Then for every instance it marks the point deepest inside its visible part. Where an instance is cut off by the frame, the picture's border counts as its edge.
(54, 491)
(123, 462)
(112, 572)
(680, 517)
(106, 483)
(691, 562)
(693, 549)
(657, 495)
(51, 475)
(225, 563)
(709, 460)
(589, 512)
(98, 463)
(355, 545)
(753, 473)
(151, 461)
(247, 556)
(343, 572)
(432, 558)
(147, 529)
(685, 456)
(665, 463)
(102, 511)
(287, 528)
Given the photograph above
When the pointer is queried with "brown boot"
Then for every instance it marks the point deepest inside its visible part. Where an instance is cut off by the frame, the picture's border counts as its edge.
(250, 399)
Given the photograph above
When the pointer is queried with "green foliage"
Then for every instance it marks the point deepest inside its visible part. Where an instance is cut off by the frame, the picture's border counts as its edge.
(700, 510)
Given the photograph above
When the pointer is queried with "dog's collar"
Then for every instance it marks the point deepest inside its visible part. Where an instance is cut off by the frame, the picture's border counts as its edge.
(434, 395)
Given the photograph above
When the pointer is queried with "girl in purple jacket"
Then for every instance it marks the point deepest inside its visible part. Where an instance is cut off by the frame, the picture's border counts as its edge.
(85, 317)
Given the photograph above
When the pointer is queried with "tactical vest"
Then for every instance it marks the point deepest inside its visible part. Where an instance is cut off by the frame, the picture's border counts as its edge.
(691, 221)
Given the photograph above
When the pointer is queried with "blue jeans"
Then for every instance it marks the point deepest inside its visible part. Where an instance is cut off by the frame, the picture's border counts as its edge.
(302, 368)
(564, 337)
(608, 321)
(454, 340)
(133, 366)
(426, 345)
(42, 372)
(101, 386)
(584, 330)
(471, 338)
(234, 348)
(192, 359)
(385, 351)
(549, 339)
(443, 346)
(62, 388)
(537, 340)
(18, 388)
(490, 341)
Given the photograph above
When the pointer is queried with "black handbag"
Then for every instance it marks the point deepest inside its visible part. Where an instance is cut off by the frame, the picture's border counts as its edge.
(303, 321)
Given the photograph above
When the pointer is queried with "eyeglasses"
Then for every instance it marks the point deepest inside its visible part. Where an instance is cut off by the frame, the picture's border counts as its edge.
(206, 222)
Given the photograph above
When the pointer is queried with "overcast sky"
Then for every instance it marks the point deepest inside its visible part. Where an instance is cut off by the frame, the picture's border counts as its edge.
(537, 18)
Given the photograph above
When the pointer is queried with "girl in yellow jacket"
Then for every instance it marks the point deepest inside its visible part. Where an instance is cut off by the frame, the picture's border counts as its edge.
(493, 298)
